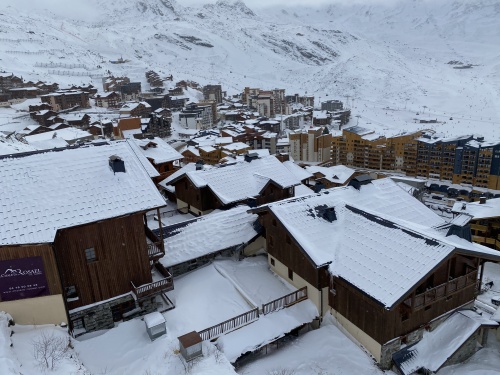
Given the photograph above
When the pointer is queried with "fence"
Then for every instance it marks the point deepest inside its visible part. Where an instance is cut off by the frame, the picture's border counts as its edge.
(40, 52)
(60, 65)
(20, 40)
(285, 301)
(229, 325)
(74, 74)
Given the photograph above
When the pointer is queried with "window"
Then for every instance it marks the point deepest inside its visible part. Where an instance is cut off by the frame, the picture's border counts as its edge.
(90, 255)
(70, 292)
(271, 241)
(274, 222)
(272, 262)
(290, 274)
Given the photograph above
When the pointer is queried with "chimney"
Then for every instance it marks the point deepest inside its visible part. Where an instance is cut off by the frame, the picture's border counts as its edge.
(116, 164)
(199, 165)
(249, 156)
(482, 200)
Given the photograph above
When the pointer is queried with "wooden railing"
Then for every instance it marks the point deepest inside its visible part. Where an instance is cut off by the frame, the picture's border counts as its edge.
(155, 252)
(154, 288)
(230, 324)
(444, 290)
(285, 301)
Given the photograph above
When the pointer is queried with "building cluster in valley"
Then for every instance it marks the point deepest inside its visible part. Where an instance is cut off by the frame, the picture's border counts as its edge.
(261, 173)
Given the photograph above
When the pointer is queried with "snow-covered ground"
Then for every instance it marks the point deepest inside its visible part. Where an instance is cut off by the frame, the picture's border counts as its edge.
(387, 60)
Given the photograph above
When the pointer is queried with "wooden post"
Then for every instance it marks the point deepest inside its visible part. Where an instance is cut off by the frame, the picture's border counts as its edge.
(481, 277)
(162, 246)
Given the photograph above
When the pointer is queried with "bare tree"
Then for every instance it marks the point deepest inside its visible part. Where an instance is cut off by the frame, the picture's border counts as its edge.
(49, 350)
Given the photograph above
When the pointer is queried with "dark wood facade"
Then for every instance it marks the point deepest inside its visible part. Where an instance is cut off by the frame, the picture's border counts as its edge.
(121, 257)
(452, 284)
(49, 262)
(281, 245)
(204, 199)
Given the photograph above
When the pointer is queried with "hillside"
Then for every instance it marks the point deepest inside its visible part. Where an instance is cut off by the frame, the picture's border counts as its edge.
(396, 56)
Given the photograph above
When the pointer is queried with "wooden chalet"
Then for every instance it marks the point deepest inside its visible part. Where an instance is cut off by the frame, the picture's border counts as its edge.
(83, 253)
(108, 99)
(378, 260)
(484, 217)
(329, 177)
(253, 181)
(135, 109)
(164, 158)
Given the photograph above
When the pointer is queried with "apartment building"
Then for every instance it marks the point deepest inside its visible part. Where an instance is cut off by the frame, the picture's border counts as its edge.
(310, 145)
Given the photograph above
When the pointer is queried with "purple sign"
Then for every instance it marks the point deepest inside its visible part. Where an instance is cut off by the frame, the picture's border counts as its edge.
(22, 278)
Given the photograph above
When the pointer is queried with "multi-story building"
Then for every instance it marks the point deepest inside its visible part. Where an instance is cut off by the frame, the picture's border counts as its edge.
(305, 100)
(213, 92)
(310, 145)
(332, 105)
(363, 148)
(194, 116)
(63, 99)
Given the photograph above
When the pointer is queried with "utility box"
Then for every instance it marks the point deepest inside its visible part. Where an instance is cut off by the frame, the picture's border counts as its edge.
(155, 325)
(191, 345)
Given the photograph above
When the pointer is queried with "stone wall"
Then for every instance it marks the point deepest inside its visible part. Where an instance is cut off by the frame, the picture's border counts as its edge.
(466, 351)
(100, 316)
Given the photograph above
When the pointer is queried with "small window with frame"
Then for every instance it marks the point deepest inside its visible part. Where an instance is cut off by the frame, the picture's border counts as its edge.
(90, 255)
(273, 263)
(290, 274)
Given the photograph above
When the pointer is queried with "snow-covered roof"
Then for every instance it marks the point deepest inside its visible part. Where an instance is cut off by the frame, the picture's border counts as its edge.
(154, 319)
(477, 210)
(209, 234)
(338, 174)
(157, 150)
(242, 180)
(237, 146)
(9, 146)
(48, 144)
(437, 346)
(299, 172)
(377, 238)
(78, 187)
(187, 168)
(68, 134)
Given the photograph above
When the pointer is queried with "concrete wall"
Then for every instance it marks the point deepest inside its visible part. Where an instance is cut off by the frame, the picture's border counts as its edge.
(368, 343)
(313, 293)
(40, 310)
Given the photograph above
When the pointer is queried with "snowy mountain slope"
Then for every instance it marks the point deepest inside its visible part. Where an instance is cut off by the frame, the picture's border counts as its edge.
(394, 55)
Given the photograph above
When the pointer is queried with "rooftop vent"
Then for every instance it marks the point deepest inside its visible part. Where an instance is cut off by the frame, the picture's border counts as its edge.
(249, 156)
(199, 165)
(325, 212)
(116, 164)
(482, 200)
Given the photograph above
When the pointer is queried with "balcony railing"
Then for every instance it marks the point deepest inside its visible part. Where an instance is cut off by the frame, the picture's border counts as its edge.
(444, 290)
(155, 252)
(154, 288)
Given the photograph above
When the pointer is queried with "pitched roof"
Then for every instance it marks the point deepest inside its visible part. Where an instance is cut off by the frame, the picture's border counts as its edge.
(377, 239)
(157, 150)
(338, 173)
(77, 186)
(242, 180)
(299, 172)
(68, 134)
(209, 234)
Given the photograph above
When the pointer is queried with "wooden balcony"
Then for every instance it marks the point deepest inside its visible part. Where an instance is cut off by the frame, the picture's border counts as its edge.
(442, 291)
(155, 252)
(153, 289)
(156, 248)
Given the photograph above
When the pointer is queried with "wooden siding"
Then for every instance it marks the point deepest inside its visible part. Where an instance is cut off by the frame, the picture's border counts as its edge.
(382, 324)
(202, 199)
(274, 193)
(281, 245)
(42, 250)
(122, 257)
